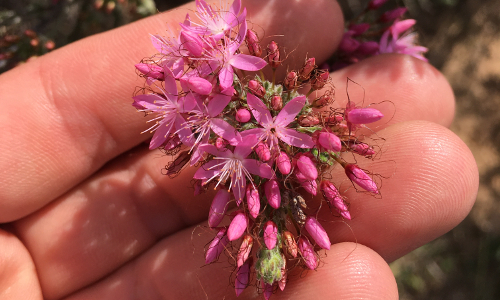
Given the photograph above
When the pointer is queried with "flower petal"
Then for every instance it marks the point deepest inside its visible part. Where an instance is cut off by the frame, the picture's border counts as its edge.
(225, 131)
(226, 77)
(208, 170)
(294, 138)
(151, 102)
(170, 84)
(258, 168)
(259, 110)
(217, 104)
(161, 133)
(226, 153)
(291, 109)
(244, 147)
(247, 62)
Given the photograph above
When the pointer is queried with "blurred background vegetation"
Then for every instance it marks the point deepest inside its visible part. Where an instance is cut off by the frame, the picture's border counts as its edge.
(463, 37)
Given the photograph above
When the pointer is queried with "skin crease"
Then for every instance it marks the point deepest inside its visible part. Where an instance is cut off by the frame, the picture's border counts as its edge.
(91, 211)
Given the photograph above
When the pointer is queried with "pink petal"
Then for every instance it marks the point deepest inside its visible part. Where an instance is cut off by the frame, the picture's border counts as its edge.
(362, 179)
(235, 8)
(182, 129)
(161, 133)
(244, 147)
(218, 208)
(234, 45)
(216, 247)
(247, 62)
(294, 138)
(270, 235)
(259, 110)
(317, 232)
(290, 111)
(307, 252)
(226, 77)
(151, 102)
(237, 227)
(258, 168)
(238, 187)
(242, 278)
(159, 44)
(186, 103)
(217, 104)
(170, 84)
(226, 131)
(208, 170)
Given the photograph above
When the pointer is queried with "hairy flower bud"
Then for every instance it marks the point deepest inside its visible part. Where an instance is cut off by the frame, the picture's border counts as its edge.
(306, 70)
(283, 163)
(216, 246)
(218, 208)
(364, 115)
(329, 141)
(242, 278)
(307, 167)
(317, 232)
(272, 192)
(243, 115)
(290, 81)
(198, 85)
(269, 265)
(245, 249)
(332, 195)
(309, 185)
(361, 148)
(238, 226)
(308, 120)
(276, 102)
(290, 243)
(307, 252)
(273, 54)
(322, 101)
(192, 42)
(362, 179)
(270, 235)
(151, 70)
(319, 79)
(262, 150)
(256, 88)
(253, 201)
(253, 44)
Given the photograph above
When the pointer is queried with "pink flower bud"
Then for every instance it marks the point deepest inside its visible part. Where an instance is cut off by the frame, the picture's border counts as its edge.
(309, 185)
(245, 249)
(359, 177)
(329, 141)
(221, 143)
(192, 42)
(253, 201)
(290, 81)
(270, 235)
(322, 101)
(273, 195)
(273, 54)
(237, 227)
(262, 151)
(359, 29)
(332, 195)
(348, 44)
(256, 88)
(394, 14)
(307, 252)
(284, 164)
(242, 278)
(198, 85)
(317, 232)
(375, 4)
(309, 66)
(151, 70)
(276, 103)
(319, 79)
(361, 148)
(401, 26)
(290, 243)
(308, 120)
(268, 289)
(368, 48)
(218, 208)
(243, 115)
(253, 44)
(307, 167)
(217, 245)
(364, 115)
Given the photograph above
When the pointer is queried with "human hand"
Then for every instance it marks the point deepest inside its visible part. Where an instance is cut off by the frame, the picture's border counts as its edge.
(91, 217)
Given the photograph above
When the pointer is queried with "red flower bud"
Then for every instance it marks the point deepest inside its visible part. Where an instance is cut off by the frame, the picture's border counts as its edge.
(253, 44)
(273, 54)
(319, 79)
(290, 81)
(276, 103)
(306, 71)
(256, 88)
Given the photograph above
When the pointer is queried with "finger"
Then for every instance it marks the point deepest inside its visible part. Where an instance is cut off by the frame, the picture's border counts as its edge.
(18, 278)
(349, 271)
(76, 113)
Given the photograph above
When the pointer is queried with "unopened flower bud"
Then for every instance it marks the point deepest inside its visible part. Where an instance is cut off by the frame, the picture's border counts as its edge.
(376, 4)
(243, 115)
(253, 43)
(368, 48)
(332, 195)
(253, 201)
(256, 88)
(359, 29)
(306, 71)
(308, 120)
(309, 185)
(270, 235)
(276, 102)
(242, 278)
(364, 115)
(217, 245)
(245, 249)
(262, 151)
(322, 101)
(329, 141)
(307, 167)
(361, 148)
(283, 163)
(319, 79)
(192, 42)
(218, 208)
(307, 252)
(273, 54)
(317, 232)
(220, 143)
(362, 179)
(290, 81)
(394, 14)
(238, 226)
(290, 243)
(269, 265)
(267, 290)
(151, 70)
(198, 85)
(272, 192)
(348, 44)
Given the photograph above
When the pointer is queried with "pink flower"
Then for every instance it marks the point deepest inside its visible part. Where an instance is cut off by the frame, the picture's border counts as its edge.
(307, 252)
(333, 197)
(173, 53)
(235, 166)
(217, 245)
(348, 44)
(362, 179)
(245, 249)
(274, 129)
(317, 232)
(272, 192)
(242, 278)
(270, 235)
(169, 110)
(253, 201)
(237, 227)
(406, 44)
(218, 208)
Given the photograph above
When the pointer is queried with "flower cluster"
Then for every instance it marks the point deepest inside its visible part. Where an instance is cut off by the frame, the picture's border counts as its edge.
(374, 32)
(261, 145)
